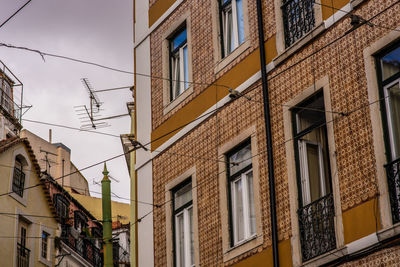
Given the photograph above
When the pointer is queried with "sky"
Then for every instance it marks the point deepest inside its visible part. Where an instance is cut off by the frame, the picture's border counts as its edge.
(98, 31)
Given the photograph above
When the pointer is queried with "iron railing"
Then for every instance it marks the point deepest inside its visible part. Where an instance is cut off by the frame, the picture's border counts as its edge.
(120, 256)
(22, 256)
(18, 182)
(298, 19)
(317, 229)
(393, 176)
(84, 247)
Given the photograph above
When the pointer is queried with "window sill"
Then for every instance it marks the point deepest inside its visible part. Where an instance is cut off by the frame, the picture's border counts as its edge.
(299, 44)
(326, 258)
(18, 198)
(243, 247)
(221, 64)
(171, 105)
(45, 261)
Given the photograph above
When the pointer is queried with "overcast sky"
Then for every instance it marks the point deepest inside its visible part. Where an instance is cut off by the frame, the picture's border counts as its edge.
(93, 30)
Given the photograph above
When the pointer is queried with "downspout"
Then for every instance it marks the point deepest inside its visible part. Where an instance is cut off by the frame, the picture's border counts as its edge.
(274, 227)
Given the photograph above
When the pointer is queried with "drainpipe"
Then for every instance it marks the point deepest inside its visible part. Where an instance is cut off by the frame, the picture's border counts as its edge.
(267, 119)
(107, 223)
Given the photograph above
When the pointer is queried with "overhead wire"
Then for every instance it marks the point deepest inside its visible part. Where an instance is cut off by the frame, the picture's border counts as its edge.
(15, 13)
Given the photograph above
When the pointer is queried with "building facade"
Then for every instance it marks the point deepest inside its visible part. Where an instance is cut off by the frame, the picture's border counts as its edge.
(331, 70)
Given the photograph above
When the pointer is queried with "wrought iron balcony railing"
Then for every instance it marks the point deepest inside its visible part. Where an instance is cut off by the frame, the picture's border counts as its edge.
(120, 256)
(84, 247)
(298, 19)
(317, 228)
(22, 256)
(393, 176)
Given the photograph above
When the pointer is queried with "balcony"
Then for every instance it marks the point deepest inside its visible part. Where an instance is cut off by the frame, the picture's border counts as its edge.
(22, 256)
(11, 90)
(393, 176)
(120, 256)
(298, 19)
(84, 247)
(317, 228)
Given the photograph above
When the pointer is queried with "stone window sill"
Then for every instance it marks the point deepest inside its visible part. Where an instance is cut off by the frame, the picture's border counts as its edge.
(243, 247)
(220, 65)
(299, 44)
(171, 105)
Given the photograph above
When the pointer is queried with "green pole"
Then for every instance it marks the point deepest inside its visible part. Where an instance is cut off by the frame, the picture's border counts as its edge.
(107, 223)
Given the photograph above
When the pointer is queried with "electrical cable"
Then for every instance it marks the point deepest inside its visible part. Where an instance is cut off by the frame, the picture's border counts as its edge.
(15, 13)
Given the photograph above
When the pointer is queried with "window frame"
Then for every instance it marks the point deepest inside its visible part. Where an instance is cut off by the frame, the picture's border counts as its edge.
(61, 200)
(44, 252)
(231, 179)
(174, 81)
(252, 243)
(184, 210)
(18, 188)
(382, 85)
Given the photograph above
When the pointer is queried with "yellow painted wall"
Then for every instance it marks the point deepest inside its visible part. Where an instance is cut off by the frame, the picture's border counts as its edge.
(361, 221)
(158, 9)
(264, 258)
(329, 7)
(36, 204)
(93, 205)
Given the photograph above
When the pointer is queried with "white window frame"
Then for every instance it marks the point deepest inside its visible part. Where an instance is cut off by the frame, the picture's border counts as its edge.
(246, 208)
(304, 173)
(186, 238)
(179, 83)
(47, 245)
(386, 89)
(230, 9)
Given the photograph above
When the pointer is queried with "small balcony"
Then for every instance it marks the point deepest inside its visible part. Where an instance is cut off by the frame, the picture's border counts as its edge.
(393, 176)
(317, 228)
(120, 256)
(22, 256)
(84, 247)
(11, 91)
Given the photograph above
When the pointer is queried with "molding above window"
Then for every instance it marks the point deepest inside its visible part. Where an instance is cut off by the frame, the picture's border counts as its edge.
(169, 104)
(255, 241)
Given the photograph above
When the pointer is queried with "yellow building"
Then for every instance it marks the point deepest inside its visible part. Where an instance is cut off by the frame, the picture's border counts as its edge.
(28, 220)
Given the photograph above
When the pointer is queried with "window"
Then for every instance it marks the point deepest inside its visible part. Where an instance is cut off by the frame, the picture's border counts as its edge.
(240, 180)
(183, 224)
(316, 207)
(389, 79)
(232, 25)
(80, 221)
(18, 178)
(62, 206)
(179, 63)
(23, 253)
(298, 19)
(45, 244)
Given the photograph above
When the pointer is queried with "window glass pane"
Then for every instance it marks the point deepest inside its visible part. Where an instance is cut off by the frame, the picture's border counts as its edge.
(240, 159)
(394, 102)
(391, 64)
(183, 196)
(180, 242)
(239, 8)
(179, 39)
(238, 212)
(314, 171)
(186, 67)
(310, 113)
(252, 215)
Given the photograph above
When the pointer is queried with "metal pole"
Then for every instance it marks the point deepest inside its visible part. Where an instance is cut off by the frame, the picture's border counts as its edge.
(107, 223)
(274, 226)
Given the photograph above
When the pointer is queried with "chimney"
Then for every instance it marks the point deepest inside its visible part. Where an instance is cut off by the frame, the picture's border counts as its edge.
(50, 136)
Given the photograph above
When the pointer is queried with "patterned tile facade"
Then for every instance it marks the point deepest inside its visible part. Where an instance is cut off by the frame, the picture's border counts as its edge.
(342, 62)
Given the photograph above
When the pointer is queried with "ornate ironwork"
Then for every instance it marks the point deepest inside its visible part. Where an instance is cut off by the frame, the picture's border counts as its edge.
(120, 255)
(317, 229)
(84, 247)
(393, 176)
(298, 19)
(18, 182)
(22, 256)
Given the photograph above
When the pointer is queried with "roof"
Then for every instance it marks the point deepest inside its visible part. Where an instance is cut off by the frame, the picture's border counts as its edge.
(119, 211)
(13, 141)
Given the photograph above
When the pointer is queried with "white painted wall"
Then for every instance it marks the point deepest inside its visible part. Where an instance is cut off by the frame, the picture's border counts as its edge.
(143, 134)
